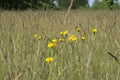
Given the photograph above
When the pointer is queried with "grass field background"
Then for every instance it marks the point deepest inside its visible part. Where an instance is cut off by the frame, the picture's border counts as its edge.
(22, 57)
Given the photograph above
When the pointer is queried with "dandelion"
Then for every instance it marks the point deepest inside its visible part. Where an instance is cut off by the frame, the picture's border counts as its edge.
(61, 33)
(61, 39)
(52, 45)
(72, 38)
(69, 39)
(49, 59)
(39, 37)
(54, 40)
(65, 32)
(94, 30)
(78, 29)
(83, 38)
(36, 35)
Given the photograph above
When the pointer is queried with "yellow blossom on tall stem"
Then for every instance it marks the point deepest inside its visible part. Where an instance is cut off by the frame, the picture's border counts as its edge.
(94, 30)
(52, 45)
(36, 35)
(49, 59)
(69, 39)
(61, 39)
(78, 29)
(39, 37)
(54, 40)
(61, 33)
(65, 32)
(83, 38)
(72, 38)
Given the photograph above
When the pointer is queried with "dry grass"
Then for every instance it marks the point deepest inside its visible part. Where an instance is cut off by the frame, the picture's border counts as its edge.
(22, 57)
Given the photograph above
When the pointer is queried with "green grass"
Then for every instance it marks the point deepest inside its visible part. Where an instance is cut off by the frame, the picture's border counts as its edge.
(22, 57)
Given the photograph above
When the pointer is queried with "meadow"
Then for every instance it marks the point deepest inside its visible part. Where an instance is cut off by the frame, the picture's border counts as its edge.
(38, 45)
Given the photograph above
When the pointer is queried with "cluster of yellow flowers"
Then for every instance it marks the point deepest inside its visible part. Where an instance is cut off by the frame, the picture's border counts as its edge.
(37, 36)
(72, 38)
(64, 33)
(64, 37)
(49, 59)
(52, 44)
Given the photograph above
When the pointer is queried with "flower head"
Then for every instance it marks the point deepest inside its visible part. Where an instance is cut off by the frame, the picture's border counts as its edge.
(72, 38)
(61, 33)
(39, 37)
(61, 39)
(54, 40)
(49, 59)
(83, 38)
(36, 35)
(65, 32)
(52, 45)
(94, 30)
(78, 29)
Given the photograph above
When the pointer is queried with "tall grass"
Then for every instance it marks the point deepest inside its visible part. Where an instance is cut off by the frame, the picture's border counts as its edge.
(22, 57)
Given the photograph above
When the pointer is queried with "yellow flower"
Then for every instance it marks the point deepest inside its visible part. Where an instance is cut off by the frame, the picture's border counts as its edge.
(78, 29)
(49, 59)
(72, 38)
(52, 45)
(83, 37)
(39, 37)
(54, 41)
(65, 32)
(36, 35)
(94, 30)
(61, 33)
(69, 39)
(61, 40)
